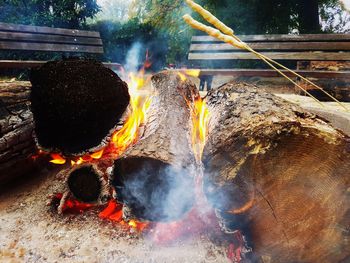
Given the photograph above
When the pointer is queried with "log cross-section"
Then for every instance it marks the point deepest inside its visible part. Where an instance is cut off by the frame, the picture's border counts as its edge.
(286, 171)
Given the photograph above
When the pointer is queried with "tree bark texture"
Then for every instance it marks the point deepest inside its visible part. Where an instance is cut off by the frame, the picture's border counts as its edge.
(16, 128)
(162, 159)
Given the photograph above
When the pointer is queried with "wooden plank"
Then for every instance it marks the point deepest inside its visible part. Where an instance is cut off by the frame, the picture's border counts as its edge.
(313, 56)
(50, 47)
(49, 38)
(273, 73)
(280, 38)
(37, 63)
(48, 30)
(276, 46)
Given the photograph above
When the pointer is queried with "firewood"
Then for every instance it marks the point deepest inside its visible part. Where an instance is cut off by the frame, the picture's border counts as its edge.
(286, 171)
(16, 128)
(76, 105)
(86, 183)
(154, 176)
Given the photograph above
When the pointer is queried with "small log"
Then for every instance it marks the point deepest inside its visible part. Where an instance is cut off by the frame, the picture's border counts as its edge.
(76, 105)
(154, 177)
(286, 171)
(86, 183)
(16, 128)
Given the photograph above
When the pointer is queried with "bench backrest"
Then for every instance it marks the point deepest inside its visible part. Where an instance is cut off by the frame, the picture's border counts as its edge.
(35, 38)
(313, 47)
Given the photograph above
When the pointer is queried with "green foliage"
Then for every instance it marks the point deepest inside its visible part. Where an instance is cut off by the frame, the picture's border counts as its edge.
(67, 13)
(118, 38)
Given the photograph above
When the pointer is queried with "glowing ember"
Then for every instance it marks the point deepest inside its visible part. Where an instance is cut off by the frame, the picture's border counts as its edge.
(97, 155)
(57, 159)
(200, 118)
(114, 212)
(71, 205)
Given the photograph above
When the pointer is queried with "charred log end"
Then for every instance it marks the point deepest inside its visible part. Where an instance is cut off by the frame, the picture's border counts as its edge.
(152, 189)
(76, 104)
(87, 184)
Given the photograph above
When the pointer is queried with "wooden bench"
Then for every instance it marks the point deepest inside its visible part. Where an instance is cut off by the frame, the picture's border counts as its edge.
(297, 48)
(35, 38)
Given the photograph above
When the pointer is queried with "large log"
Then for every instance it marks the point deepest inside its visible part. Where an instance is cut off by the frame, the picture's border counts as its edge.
(285, 171)
(154, 178)
(76, 105)
(16, 128)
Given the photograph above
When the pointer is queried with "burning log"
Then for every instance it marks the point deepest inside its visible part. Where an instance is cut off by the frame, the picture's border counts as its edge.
(154, 177)
(76, 105)
(16, 128)
(285, 170)
(86, 184)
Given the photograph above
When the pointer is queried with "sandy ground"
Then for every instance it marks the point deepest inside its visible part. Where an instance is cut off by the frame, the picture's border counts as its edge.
(32, 232)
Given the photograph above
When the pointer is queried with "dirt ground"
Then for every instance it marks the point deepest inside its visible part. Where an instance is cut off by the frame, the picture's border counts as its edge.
(32, 232)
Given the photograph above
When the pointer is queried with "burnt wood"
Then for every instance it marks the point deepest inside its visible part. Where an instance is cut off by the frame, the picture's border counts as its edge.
(76, 104)
(154, 178)
(16, 127)
(284, 170)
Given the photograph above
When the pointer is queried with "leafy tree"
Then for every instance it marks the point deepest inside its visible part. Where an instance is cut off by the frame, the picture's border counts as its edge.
(68, 13)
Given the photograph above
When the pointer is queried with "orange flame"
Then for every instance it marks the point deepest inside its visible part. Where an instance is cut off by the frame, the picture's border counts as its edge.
(139, 106)
(200, 118)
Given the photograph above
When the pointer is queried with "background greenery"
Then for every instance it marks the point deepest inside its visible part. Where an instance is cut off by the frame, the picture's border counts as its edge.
(158, 25)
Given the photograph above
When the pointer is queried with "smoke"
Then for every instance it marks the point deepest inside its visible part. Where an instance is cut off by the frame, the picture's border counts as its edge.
(133, 58)
(156, 191)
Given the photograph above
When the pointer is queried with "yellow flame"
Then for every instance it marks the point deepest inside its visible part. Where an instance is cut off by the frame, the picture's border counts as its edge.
(139, 107)
(200, 118)
(182, 76)
(132, 223)
(57, 159)
(193, 72)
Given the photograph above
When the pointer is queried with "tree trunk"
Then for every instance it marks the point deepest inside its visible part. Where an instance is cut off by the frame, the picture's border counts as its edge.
(76, 105)
(154, 177)
(308, 17)
(285, 171)
(16, 128)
